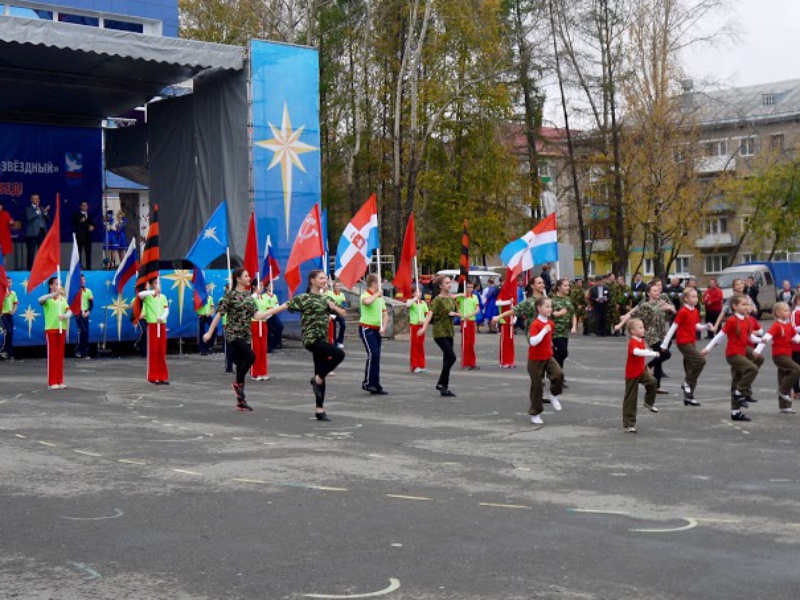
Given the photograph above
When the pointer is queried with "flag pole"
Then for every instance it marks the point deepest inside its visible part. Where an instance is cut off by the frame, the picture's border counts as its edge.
(416, 273)
(228, 254)
(58, 274)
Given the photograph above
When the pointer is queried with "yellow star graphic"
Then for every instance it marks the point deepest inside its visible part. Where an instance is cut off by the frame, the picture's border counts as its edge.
(182, 279)
(211, 287)
(119, 309)
(29, 316)
(286, 145)
(24, 284)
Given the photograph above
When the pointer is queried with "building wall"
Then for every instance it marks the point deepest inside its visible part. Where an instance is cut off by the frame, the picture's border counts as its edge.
(165, 11)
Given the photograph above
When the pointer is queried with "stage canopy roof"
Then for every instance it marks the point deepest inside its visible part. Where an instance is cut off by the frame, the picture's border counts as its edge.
(62, 73)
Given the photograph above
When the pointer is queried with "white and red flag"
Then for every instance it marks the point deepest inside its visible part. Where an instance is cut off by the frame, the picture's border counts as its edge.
(355, 247)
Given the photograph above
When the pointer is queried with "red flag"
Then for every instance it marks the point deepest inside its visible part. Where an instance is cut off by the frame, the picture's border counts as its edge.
(509, 289)
(48, 258)
(251, 249)
(464, 267)
(307, 245)
(405, 271)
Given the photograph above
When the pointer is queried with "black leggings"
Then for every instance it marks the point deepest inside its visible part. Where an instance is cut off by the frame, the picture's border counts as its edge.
(449, 359)
(560, 350)
(326, 358)
(658, 361)
(243, 357)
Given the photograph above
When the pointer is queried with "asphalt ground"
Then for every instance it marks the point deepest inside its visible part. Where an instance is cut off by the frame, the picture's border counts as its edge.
(114, 488)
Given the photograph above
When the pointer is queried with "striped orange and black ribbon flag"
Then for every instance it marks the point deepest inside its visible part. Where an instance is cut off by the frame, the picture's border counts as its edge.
(464, 267)
(148, 269)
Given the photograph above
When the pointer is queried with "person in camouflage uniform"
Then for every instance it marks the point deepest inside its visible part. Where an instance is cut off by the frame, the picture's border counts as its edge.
(622, 299)
(315, 309)
(565, 320)
(578, 296)
(653, 313)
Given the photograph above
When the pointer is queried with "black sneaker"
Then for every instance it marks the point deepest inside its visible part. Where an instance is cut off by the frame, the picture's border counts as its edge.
(319, 390)
(687, 392)
(238, 389)
(739, 416)
(750, 399)
(243, 406)
(321, 416)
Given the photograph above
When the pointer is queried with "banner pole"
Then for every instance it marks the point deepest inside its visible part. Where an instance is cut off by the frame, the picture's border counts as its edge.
(228, 254)
(58, 274)
(416, 273)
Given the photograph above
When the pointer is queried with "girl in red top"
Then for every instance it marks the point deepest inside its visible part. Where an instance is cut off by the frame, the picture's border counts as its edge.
(739, 330)
(782, 334)
(686, 325)
(541, 361)
(795, 319)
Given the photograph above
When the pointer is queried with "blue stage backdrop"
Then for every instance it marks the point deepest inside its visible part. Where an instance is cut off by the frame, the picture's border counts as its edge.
(112, 311)
(44, 160)
(285, 82)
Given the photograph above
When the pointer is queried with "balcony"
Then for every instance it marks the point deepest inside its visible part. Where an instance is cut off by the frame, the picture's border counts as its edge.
(716, 240)
(601, 245)
(715, 164)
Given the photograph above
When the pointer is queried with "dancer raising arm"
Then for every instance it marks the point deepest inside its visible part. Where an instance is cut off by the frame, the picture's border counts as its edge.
(240, 309)
(315, 309)
(443, 311)
(782, 334)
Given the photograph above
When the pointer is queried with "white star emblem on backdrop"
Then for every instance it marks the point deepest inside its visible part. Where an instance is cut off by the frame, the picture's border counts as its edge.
(211, 234)
(286, 145)
(119, 309)
(182, 279)
(29, 316)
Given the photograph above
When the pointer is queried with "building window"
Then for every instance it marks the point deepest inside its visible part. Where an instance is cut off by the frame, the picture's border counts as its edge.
(747, 146)
(30, 13)
(79, 19)
(748, 257)
(715, 226)
(714, 263)
(768, 99)
(776, 142)
(591, 269)
(648, 267)
(123, 25)
(717, 148)
(681, 266)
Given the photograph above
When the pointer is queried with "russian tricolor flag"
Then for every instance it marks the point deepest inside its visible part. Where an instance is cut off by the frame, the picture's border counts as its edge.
(270, 269)
(74, 279)
(538, 246)
(127, 268)
(199, 285)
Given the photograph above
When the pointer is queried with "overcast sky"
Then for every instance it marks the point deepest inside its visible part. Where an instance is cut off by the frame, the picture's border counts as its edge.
(767, 50)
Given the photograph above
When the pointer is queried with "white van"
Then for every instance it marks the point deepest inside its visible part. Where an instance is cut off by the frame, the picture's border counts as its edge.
(482, 276)
(763, 276)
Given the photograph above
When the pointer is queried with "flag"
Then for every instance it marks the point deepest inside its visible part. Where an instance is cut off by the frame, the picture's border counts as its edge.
(538, 246)
(128, 267)
(464, 265)
(270, 269)
(509, 289)
(74, 291)
(148, 270)
(324, 258)
(151, 257)
(3, 280)
(213, 239)
(199, 285)
(307, 245)
(48, 258)
(251, 248)
(405, 271)
(359, 239)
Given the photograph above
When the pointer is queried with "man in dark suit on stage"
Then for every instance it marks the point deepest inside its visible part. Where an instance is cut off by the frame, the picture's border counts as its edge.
(36, 219)
(83, 227)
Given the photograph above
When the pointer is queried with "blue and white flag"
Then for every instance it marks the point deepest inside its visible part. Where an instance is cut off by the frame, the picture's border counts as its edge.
(213, 239)
(538, 246)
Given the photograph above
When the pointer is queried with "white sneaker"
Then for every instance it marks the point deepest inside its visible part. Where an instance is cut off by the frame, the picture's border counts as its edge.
(266, 378)
(62, 386)
(418, 370)
(537, 420)
(340, 346)
(55, 387)
(788, 411)
(554, 402)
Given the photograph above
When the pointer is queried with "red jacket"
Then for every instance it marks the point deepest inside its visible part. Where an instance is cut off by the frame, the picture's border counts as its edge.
(712, 299)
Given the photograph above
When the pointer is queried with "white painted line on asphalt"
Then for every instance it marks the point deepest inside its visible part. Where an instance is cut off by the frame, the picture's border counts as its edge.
(87, 453)
(243, 480)
(691, 524)
(780, 480)
(20, 436)
(46, 443)
(704, 520)
(402, 497)
(94, 574)
(117, 514)
(597, 512)
(496, 505)
(326, 489)
(131, 462)
(187, 472)
(394, 585)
